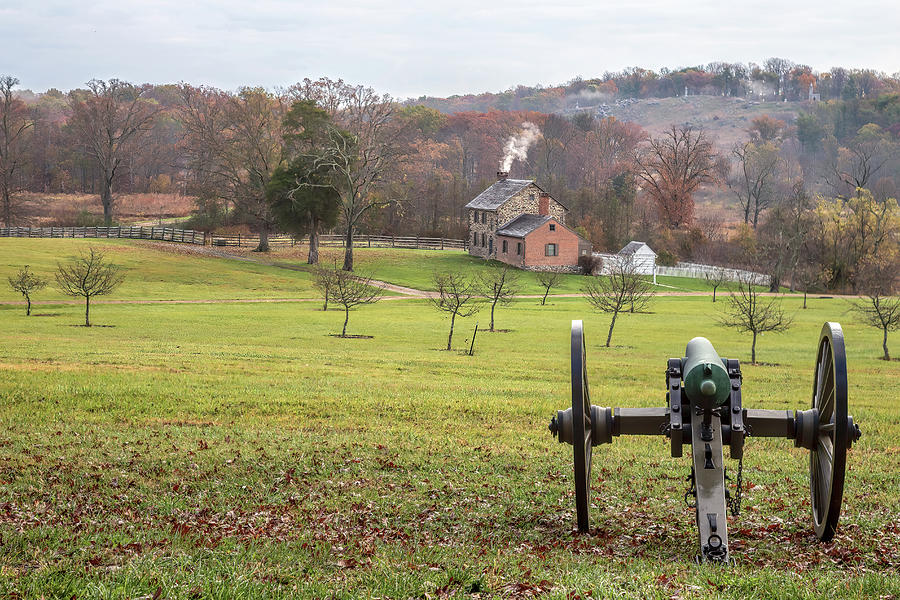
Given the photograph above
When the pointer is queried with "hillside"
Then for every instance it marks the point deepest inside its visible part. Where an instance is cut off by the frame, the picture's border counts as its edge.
(725, 119)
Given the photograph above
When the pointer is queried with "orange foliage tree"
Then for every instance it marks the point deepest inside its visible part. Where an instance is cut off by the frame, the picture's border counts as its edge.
(672, 167)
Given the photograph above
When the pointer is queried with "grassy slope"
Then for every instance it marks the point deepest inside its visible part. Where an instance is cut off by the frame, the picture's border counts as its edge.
(415, 268)
(239, 450)
(154, 271)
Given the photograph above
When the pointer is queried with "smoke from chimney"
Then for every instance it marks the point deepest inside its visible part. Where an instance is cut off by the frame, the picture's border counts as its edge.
(517, 145)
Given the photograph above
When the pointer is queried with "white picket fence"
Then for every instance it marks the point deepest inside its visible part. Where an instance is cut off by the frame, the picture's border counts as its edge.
(697, 271)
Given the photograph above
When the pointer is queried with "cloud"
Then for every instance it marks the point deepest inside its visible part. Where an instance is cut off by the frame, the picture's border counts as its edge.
(411, 48)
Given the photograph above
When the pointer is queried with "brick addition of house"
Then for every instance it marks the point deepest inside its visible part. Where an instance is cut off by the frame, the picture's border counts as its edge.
(516, 222)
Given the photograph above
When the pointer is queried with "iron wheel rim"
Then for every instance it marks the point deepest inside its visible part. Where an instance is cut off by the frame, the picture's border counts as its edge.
(581, 427)
(828, 458)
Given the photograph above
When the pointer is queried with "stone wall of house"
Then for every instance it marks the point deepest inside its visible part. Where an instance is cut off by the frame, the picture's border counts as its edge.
(481, 234)
(526, 202)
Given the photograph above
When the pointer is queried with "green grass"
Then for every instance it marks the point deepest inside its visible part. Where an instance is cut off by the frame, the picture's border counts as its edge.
(241, 451)
(416, 268)
(154, 271)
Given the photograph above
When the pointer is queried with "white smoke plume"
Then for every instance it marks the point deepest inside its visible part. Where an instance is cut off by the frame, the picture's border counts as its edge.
(517, 145)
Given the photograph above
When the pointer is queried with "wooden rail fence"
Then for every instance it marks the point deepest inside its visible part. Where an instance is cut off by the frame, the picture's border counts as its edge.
(164, 234)
(189, 236)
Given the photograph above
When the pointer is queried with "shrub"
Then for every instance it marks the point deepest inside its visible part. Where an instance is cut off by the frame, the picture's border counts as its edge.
(589, 264)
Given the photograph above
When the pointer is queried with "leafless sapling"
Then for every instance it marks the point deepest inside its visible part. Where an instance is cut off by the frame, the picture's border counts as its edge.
(26, 283)
(499, 286)
(351, 290)
(548, 280)
(623, 287)
(323, 280)
(808, 275)
(456, 293)
(879, 307)
(88, 275)
(748, 312)
(716, 278)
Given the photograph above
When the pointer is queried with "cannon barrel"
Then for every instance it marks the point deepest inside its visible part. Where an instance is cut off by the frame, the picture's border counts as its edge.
(706, 381)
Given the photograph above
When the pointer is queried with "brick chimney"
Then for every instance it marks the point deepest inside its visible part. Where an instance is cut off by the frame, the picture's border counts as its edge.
(544, 204)
(501, 175)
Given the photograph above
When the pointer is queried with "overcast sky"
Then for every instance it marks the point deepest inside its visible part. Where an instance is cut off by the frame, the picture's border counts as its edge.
(437, 48)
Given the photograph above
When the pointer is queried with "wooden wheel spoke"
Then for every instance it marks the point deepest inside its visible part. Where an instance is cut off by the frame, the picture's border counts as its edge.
(826, 446)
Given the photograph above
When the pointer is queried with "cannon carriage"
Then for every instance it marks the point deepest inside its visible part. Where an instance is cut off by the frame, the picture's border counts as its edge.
(703, 409)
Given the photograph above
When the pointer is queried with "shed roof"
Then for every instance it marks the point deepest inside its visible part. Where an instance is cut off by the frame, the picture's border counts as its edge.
(523, 225)
(498, 193)
(632, 247)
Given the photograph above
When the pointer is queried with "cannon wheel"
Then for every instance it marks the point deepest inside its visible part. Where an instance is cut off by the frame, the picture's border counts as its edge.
(828, 459)
(581, 427)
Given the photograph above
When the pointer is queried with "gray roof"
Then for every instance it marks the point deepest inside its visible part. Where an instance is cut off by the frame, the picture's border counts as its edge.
(632, 247)
(522, 225)
(498, 193)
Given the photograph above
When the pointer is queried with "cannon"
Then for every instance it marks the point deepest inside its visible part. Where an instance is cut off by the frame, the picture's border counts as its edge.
(703, 409)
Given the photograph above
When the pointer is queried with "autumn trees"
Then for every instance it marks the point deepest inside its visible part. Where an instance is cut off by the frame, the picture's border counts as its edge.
(15, 122)
(672, 167)
(110, 117)
(234, 145)
(360, 154)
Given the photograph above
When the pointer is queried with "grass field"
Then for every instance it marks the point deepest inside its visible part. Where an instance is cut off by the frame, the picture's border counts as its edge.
(242, 451)
(154, 271)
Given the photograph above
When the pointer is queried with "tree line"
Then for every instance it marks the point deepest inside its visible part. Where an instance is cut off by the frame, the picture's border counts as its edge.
(816, 196)
(773, 79)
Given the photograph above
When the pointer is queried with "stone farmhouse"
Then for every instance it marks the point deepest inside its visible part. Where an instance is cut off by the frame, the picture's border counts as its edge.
(516, 222)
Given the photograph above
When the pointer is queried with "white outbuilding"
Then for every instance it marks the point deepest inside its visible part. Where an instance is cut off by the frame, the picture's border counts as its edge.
(641, 256)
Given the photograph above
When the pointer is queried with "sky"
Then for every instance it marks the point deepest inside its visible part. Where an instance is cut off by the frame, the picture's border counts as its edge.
(438, 48)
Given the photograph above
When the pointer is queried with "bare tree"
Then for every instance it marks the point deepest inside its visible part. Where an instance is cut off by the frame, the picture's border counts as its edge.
(351, 290)
(87, 276)
(499, 286)
(456, 294)
(234, 143)
(716, 278)
(548, 280)
(857, 165)
(26, 283)
(880, 308)
(362, 159)
(623, 287)
(808, 275)
(748, 312)
(753, 177)
(672, 167)
(110, 118)
(323, 280)
(15, 121)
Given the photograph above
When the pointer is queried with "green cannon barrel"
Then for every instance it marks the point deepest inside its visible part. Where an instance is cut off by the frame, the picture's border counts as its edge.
(706, 381)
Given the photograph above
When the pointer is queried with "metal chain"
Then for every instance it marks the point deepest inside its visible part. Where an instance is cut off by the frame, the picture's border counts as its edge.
(692, 491)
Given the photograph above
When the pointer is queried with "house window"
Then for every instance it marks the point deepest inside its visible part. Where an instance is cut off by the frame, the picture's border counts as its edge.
(482, 240)
(552, 227)
(519, 248)
(504, 247)
(483, 215)
(551, 250)
(474, 239)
